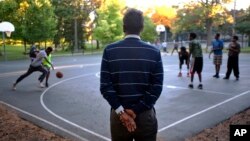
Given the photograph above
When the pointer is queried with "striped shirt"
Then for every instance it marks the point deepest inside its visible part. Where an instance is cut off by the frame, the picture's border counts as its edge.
(131, 74)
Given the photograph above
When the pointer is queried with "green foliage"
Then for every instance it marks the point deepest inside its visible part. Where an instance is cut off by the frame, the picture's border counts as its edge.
(189, 20)
(149, 33)
(243, 24)
(7, 9)
(40, 22)
(109, 23)
(67, 11)
(199, 16)
(16, 52)
(34, 21)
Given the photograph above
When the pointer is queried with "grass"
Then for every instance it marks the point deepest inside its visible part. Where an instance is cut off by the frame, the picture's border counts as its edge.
(12, 53)
(245, 50)
(16, 52)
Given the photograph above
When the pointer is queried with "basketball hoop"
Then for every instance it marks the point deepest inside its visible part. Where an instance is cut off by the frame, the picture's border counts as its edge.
(160, 28)
(8, 33)
(6, 27)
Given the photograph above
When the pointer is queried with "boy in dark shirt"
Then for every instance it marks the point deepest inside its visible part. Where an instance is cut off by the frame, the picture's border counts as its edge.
(183, 56)
(233, 58)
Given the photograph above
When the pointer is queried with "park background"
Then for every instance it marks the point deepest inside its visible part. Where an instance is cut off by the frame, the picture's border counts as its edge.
(87, 26)
(83, 27)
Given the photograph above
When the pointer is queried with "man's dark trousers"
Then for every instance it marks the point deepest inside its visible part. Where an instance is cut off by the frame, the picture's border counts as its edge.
(31, 70)
(233, 64)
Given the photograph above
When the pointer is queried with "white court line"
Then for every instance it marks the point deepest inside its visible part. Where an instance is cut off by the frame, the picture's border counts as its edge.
(7, 74)
(177, 87)
(203, 111)
(77, 65)
(207, 91)
(63, 119)
(166, 69)
(45, 121)
(56, 68)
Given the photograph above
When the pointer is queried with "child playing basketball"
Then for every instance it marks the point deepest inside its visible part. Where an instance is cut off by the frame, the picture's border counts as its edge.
(36, 65)
(183, 56)
(47, 66)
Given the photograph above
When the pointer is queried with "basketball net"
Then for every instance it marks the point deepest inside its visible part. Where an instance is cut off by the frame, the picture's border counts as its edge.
(158, 32)
(8, 33)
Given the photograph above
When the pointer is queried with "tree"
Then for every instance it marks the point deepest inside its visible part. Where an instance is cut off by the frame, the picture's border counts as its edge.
(109, 22)
(71, 15)
(7, 13)
(189, 19)
(164, 15)
(148, 33)
(243, 24)
(214, 12)
(40, 21)
(34, 20)
(203, 16)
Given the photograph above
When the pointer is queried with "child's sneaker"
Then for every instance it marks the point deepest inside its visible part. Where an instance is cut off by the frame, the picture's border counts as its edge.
(180, 74)
(191, 86)
(200, 86)
(42, 85)
(14, 86)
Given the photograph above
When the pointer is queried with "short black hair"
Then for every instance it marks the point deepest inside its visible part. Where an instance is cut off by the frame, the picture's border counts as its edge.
(49, 49)
(236, 38)
(183, 48)
(133, 21)
(192, 35)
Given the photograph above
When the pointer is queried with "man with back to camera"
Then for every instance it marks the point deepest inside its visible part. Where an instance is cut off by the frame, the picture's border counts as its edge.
(131, 82)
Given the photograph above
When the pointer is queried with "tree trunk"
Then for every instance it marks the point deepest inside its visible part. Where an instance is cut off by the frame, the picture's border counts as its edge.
(97, 44)
(209, 24)
(25, 46)
(249, 40)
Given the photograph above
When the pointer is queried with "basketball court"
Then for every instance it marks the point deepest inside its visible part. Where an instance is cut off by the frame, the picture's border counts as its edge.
(73, 106)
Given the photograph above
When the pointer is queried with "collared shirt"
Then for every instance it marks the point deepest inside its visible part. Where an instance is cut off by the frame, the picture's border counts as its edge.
(132, 36)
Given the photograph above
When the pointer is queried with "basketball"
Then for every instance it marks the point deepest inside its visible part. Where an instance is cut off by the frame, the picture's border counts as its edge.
(59, 74)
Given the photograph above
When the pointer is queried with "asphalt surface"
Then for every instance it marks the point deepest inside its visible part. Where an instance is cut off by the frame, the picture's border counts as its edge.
(73, 106)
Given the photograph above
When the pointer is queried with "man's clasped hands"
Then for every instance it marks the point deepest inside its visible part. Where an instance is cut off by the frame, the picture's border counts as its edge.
(128, 119)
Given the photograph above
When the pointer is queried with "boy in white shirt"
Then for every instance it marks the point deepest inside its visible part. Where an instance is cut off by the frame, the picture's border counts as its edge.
(36, 65)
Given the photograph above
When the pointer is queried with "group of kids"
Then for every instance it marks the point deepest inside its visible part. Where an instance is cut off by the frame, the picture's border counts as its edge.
(194, 58)
(40, 61)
